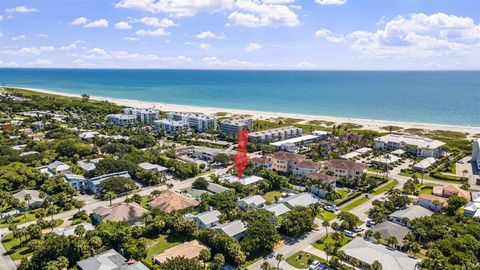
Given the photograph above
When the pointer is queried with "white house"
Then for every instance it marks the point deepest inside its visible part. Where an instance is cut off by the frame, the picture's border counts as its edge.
(235, 229)
(152, 167)
(207, 219)
(251, 202)
(76, 181)
(35, 200)
(424, 164)
(278, 209)
(56, 168)
(301, 199)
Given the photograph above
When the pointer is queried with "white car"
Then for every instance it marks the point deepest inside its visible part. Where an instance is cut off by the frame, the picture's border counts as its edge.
(314, 265)
(349, 233)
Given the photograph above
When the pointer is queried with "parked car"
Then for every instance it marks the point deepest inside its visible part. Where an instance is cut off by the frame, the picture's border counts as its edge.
(349, 233)
(329, 208)
(371, 223)
(314, 265)
(358, 229)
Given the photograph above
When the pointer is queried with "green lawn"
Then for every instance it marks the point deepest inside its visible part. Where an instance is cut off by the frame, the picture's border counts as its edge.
(145, 201)
(303, 259)
(13, 248)
(354, 204)
(385, 187)
(342, 192)
(19, 219)
(320, 244)
(419, 176)
(371, 169)
(158, 245)
(425, 190)
(327, 216)
(270, 196)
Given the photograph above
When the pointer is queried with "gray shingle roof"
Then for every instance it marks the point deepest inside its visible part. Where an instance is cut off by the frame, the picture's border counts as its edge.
(232, 228)
(412, 212)
(301, 199)
(389, 228)
(278, 209)
(109, 260)
(369, 252)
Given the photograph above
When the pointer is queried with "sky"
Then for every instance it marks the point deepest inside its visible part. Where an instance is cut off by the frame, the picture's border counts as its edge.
(241, 34)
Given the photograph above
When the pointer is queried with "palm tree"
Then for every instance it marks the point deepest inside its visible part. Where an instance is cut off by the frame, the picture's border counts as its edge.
(326, 224)
(392, 241)
(265, 266)
(376, 265)
(316, 209)
(27, 198)
(377, 235)
(368, 234)
(279, 259)
(464, 172)
(335, 226)
(110, 196)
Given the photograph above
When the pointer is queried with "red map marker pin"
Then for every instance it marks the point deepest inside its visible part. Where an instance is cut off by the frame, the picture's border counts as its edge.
(241, 158)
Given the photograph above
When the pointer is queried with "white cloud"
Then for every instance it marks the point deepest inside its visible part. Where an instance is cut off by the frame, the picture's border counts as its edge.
(71, 46)
(204, 46)
(209, 34)
(21, 9)
(17, 38)
(79, 21)
(39, 63)
(253, 47)
(420, 35)
(305, 65)
(156, 22)
(42, 35)
(28, 51)
(130, 38)
(214, 62)
(9, 64)
(177, 8)
(153, 33)
(331, 2)
(123, 25)
(253, 13)
(329, 36)
(102, 23)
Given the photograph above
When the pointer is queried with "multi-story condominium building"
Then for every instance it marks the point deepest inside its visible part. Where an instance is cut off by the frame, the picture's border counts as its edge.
(143, 115)
(285, 161)
(275, 135)
(345, 169)
(234, 126)
(170, 126)
(121, 119)
(76, 181)
(304, 167)
(476, 152)
(199, 122)
(415, 145)
(261, 162)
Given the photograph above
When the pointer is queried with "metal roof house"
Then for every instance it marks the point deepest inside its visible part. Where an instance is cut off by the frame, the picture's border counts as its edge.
(110, 260)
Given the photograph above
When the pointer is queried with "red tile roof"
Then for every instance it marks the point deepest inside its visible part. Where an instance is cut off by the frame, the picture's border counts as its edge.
(288, 156)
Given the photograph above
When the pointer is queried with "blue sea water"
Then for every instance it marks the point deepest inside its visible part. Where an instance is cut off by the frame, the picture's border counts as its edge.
(440, 97)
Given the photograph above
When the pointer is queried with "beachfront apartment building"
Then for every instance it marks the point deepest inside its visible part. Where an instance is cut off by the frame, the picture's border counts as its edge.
(275, 135)
(146, 116)
(345, 169)
(170, 126)
(234, 126)
(476, 153)
(304, 167)
(121, 119)
(285, 161)
(198, 122)
(414, 145)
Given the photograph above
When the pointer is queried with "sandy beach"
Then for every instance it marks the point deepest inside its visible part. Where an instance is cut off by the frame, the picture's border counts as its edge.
(369, 124)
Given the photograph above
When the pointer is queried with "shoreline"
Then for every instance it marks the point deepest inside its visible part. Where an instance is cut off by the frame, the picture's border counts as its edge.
(368, 124)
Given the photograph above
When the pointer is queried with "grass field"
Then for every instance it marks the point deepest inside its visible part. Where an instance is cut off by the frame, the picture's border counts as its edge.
(419, 176)
(19, 219)
(385, 187)
(159, 245)
(13, 248)
(354, 204)
(320, 244)
(326, 216)
(270, 196)
(303, 259)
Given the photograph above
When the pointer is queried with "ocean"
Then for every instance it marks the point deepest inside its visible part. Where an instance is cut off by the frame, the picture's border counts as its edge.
(437, 97)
